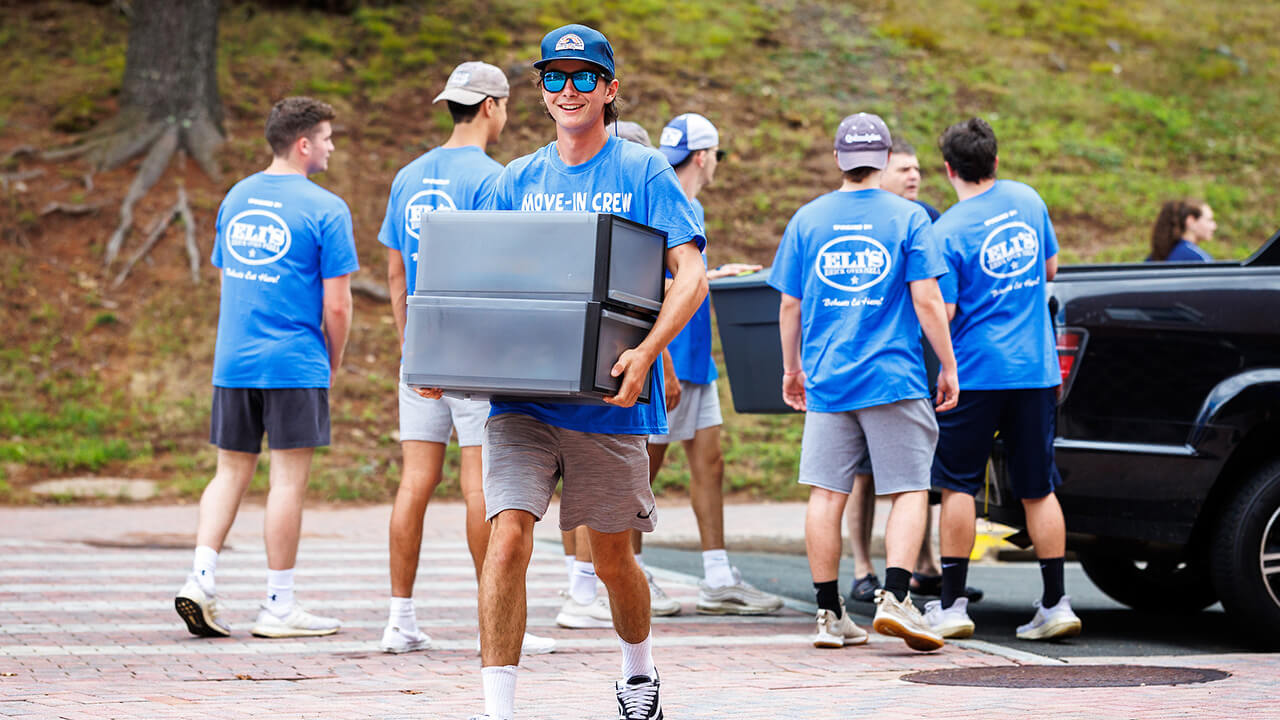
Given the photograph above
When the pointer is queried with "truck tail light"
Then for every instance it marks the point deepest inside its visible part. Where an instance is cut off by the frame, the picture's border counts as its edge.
(1070, 349)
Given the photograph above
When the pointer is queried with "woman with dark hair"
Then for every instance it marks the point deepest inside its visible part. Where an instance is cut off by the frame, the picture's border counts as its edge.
(1180, 228)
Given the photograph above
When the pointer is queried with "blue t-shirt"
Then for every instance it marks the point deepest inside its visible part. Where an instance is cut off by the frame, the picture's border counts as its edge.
(691, 349)
(995, 245)
(624, 179)
(933, 211)
(441, 179)
(278, 238)
(848, 257)
(1186, 251)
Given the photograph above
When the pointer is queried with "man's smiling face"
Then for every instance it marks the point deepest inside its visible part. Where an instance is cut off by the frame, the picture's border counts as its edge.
(571, 108)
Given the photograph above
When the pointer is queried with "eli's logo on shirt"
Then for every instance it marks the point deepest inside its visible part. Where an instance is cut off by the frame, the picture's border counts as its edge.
(426, 201)
(258, 237)
(853, 263)
(1011, 249)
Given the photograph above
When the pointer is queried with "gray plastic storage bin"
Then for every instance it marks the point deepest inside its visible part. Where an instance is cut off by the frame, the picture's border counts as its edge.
(561, 350)
(548, 256)
(746, 310)
(747, 315)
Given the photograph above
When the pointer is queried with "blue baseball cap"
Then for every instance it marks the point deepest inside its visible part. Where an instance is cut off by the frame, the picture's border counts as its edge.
(685, 134)
(577, 42)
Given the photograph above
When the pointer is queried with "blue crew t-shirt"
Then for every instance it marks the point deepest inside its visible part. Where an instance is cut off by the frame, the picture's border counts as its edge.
(691, 349)
(278, 238)
(441, 179)
(849, 257)
(995, 245)
(624, 179)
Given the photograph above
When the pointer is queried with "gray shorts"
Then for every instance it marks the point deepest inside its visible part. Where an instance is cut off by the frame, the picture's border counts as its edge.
(900, 438)
(699, 409)
(434, 420)
(606, 477)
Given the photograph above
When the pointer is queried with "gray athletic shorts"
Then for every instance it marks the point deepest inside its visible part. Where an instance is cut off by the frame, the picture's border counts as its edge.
(434, 420)
(900, 437)
(606, 477)
(699, 409)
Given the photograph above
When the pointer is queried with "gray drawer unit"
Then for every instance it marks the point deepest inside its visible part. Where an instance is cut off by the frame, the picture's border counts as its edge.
(482, 347)
(542, 256)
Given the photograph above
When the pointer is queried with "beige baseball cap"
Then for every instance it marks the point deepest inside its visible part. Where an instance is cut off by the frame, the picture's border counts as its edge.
(471, 82)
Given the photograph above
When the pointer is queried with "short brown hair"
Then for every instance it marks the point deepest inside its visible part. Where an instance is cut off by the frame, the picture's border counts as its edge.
(859, 174)
(292, 118)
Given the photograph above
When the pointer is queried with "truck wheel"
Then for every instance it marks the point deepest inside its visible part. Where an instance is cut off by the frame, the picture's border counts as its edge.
(1154, 586)
(1246, 557)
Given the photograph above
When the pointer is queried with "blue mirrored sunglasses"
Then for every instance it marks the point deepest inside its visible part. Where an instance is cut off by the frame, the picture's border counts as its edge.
(584, 81)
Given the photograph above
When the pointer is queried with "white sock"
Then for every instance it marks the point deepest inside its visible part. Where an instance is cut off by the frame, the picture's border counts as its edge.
(716, 569)
(402, 615)
(637, 659)
(582, 586)
(204, 566)
(640, 560)
(499, 691)
(569, 560)
(280, 592)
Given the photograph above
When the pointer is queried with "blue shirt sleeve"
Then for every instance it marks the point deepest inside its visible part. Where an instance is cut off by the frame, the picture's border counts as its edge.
(670, 210)
(787, 274)
(215, 258)
(924, 259)
(949, 284)
(337, 243)
(1050, 237)
(388, 235)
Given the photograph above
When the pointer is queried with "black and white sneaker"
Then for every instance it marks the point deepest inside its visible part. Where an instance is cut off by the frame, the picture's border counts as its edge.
(638, 698)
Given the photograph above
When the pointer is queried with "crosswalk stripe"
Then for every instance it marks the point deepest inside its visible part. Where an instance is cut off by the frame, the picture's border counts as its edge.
(223, 588)
(116, 607)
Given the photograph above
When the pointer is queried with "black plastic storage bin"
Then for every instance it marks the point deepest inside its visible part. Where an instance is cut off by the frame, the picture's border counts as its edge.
(479, 347)
(549, 256)
(747, 315)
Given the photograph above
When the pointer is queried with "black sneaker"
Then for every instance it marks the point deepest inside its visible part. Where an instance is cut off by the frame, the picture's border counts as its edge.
(864, 588)
(638, 698)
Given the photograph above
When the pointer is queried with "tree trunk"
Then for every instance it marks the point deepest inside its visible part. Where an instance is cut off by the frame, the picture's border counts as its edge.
(170, 82)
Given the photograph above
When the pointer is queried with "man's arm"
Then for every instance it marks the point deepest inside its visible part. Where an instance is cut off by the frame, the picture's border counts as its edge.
(933, 312)
(792, 371)
(670, 383)
(684, 295)
(337, 319)
(1050, 267)
(398, 289)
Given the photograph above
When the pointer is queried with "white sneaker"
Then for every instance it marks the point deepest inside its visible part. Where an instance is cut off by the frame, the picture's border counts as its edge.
(660, 603)
(740, 598)
(395, 640)
(594, 614)
(836, 632)
(537, 645)
(1059, 621)
(903, 620)
(952, 622)
(298, 623)
(199, 610)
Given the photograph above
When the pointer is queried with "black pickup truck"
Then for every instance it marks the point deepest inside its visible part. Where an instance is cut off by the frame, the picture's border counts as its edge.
(1168, 428)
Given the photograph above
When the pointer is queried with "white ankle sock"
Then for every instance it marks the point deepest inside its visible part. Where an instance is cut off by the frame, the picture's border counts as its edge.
(204, 566)
(640, 560)
(280, 592)
(637, 659)
(402, 615)
(499, 691)
(582, 586)
(716, 569)
(569, 560)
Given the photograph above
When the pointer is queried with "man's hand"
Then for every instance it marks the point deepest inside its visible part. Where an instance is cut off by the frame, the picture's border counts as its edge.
(731, 269)
(633, 367)
(948, 390)
(793, 391)
(430, 393)
(670, 383)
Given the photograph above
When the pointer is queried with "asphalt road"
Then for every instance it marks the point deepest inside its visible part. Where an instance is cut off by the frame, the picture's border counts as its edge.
(1110, 629)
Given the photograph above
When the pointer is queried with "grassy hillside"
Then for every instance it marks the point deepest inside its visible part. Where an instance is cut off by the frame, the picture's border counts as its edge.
(1107, 107)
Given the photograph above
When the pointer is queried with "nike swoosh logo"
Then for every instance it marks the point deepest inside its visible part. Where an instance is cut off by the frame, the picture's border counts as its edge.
(647, 515)
(949, 565)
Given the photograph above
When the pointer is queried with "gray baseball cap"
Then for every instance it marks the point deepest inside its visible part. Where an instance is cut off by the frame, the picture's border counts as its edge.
(862, 140)
(628, 130)
(472, 82)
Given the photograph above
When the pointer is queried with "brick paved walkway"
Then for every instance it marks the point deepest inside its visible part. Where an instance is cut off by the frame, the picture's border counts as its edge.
(87, 630)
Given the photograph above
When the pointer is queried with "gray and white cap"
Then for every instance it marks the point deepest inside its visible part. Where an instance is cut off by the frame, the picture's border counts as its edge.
(472, 82)
(862, 140)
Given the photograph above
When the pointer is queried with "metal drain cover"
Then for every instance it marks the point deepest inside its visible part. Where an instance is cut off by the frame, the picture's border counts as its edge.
(1066, 676)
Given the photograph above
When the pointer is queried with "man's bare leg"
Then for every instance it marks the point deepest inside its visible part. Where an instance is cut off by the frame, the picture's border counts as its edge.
(221, 498)
(502, 588)
(423, 463)
(861, 517)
